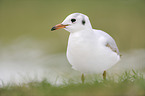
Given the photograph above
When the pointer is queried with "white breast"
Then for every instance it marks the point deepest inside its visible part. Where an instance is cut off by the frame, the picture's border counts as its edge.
(87, 52)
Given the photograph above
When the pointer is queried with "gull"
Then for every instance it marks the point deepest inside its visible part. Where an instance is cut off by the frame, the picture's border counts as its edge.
(89, 50)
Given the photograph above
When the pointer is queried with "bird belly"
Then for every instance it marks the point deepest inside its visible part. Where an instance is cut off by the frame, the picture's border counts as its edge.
(90, 58)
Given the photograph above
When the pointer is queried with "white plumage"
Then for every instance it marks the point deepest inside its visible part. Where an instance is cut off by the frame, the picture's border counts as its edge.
(88, 50)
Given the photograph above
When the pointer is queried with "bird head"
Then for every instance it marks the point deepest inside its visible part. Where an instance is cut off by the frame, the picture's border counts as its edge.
(74, 22)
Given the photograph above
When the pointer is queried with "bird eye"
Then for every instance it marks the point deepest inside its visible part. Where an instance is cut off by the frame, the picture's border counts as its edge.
(73, 20)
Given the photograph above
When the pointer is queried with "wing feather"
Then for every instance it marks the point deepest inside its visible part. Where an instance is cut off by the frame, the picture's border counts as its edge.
(110, 42)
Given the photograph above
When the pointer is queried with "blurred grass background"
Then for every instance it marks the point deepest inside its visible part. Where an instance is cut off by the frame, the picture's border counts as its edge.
(129, 84)
(28, 23)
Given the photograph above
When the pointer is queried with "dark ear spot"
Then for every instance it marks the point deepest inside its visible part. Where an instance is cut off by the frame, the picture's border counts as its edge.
(83, 22)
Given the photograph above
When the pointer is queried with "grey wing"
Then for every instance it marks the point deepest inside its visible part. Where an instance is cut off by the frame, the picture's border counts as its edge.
(112, 45)
(110, 41)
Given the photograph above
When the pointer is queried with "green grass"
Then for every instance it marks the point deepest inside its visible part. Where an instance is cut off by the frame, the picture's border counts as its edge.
(128, 84)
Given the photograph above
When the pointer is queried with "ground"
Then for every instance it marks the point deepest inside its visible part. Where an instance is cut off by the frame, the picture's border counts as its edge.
(128, 84)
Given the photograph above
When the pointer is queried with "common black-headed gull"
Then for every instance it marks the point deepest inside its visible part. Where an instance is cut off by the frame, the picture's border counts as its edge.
(89, 50)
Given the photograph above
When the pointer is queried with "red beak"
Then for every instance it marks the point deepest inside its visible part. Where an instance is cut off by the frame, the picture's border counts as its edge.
(59, 26)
